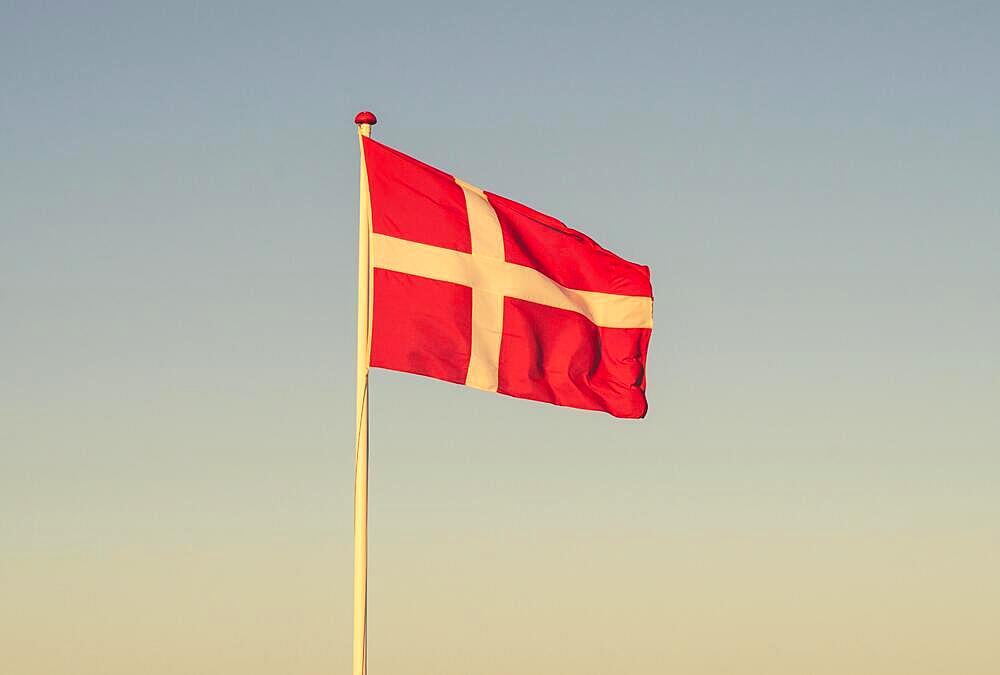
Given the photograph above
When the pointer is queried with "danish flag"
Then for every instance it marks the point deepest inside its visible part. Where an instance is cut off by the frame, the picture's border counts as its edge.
(476, 289)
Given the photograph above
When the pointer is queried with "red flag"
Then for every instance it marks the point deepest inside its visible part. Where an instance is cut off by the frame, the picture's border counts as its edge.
(476, 289)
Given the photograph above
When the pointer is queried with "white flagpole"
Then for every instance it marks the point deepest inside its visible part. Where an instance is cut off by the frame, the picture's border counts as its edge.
(364, 120)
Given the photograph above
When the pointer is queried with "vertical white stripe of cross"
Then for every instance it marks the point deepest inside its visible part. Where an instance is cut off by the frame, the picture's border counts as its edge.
(487, 307)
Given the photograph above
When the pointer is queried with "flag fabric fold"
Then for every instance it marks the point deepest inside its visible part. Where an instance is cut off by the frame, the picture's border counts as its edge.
(477, 289)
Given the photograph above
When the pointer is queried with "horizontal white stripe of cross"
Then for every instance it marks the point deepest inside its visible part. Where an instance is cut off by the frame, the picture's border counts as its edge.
(492, 278)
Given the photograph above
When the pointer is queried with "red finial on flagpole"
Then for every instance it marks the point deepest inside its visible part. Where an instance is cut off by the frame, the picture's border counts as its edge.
(365, 117)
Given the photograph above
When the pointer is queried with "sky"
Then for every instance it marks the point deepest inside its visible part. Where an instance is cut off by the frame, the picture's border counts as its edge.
(814, 489)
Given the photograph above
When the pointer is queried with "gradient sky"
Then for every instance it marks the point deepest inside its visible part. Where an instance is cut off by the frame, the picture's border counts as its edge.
(815, 490)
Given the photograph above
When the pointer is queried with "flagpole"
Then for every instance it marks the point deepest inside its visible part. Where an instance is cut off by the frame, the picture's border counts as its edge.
(364, 121)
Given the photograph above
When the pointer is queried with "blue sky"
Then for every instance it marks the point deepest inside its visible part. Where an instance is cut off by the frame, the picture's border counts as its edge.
(814, 188)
